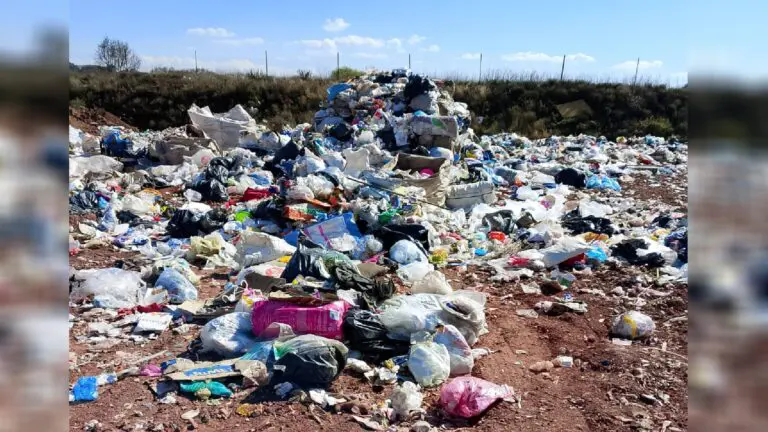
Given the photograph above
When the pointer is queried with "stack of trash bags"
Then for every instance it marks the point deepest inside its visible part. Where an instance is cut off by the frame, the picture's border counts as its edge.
(312, 222)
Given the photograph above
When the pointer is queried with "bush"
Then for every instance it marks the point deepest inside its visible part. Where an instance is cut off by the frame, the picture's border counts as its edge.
(345, 73)
(160, 100)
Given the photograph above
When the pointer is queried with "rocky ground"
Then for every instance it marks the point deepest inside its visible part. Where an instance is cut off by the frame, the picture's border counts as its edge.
(609, 388)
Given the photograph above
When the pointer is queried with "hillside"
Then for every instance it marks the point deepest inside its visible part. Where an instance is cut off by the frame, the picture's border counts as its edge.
(533, 108)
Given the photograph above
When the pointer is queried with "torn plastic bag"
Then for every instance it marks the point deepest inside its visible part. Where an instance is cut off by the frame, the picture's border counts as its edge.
(323, 320)
(565, 249)
(365, 333)
(178, 287)
(392, 233)
(257, 248)
(308, 360)
(469, 397)
(338, 233)
(186, 223)
(429, 363)
(502, 221)
(84, 202)
(229, 335)
(433, 282)
(111, 288)
(405, 399)
(458, 349)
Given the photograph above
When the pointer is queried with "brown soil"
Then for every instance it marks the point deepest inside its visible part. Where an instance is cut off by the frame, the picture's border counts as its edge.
(601, 392)
(89, 119)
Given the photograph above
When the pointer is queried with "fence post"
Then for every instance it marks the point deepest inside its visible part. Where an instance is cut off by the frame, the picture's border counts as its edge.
(562, 68)
(195, 61)
(409, 60)
(338, 72)
(266, 63)
(637, 69)
(480, 72)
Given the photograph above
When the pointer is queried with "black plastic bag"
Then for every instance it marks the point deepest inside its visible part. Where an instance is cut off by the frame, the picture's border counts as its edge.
(211, 190)
(213, 220)
(502, 221)
(374, 290)
(628, 250)
(392, 233)
(84, 202)
(341, 131)
(581, 225)
(571, 177)
(183, 224)
(289, 151)
(365, 333)
(304, 263)
(309, 360)
(417, 85)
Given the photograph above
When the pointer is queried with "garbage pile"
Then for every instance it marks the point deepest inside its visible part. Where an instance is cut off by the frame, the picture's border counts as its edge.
(334, 236)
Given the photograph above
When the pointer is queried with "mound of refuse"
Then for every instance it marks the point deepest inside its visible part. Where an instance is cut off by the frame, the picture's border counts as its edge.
(334, 235)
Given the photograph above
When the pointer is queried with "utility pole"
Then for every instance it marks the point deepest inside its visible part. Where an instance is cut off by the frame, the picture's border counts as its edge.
(338, 72)
(480, 73)
(195, 61)
(266, 63)
(562, 68)
(409, 60)
(637, 69)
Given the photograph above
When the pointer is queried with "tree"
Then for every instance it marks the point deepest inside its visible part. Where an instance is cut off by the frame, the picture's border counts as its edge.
(117, 56)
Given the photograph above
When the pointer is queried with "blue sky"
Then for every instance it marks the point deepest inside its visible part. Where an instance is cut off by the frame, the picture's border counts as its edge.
(600, 38)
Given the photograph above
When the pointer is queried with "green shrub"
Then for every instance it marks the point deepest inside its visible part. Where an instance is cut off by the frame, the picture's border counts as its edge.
(345, 73)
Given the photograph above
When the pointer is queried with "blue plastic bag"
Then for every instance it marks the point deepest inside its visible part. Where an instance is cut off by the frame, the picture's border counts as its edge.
(602, 182)
(85, 389)
(596, 253)
(178, 287)
(335, 89)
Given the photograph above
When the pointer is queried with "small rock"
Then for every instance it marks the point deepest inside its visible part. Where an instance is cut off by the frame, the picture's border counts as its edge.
(619, 291)
(422, 426)
(541, 366)
(189, 415)
(551, 288)
(92, 426)
(636, 222)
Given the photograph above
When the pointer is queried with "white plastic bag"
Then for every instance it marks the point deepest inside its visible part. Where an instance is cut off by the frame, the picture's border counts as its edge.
(229, 335)
(429, 363)
(300, 193)
(406, 252)
(414, 271)
(591, 208)
(257, 248)
(459, 351)
(112, 288)
(632, 325)
(433, 283)
(406, 398)
(564, 250)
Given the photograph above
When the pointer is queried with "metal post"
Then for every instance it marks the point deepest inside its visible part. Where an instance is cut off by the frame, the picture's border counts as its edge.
(562, 68)
(409, 60)
(637, 69)
(195, 61)
(338, 72)
(266, 63)
(480, 73)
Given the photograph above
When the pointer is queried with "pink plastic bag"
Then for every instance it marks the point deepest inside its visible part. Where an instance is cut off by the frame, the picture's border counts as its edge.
(322, 320)
(469, 396)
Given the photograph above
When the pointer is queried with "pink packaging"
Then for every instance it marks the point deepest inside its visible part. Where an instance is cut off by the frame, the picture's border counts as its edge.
(324, 320)
(470, 396)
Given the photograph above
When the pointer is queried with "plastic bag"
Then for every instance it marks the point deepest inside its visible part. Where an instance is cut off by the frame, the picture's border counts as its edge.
(433, 283)
(602, 182)
(365, 332)
(111, 288)
(320, 186)
(415, 271)
(308, 360)
(564, 250)
(212, 388)
(459, 351)
(325, 320)
(632, 325)
(338, 233)
(229, 335)
(406, 398)
(178, 287)
(300, 193)
(367, 247)
(469, 396)
(257, 248)
(429, 363)
(406, 252)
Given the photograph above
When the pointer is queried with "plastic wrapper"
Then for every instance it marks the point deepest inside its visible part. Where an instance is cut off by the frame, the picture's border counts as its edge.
(429, 363)
(469, 397)
(564, 250)
(433, 283)
(111, 288)
(300, 193)
(257, 248)
(229, 335)
(459, 351)
(324, 320)
(406, 398)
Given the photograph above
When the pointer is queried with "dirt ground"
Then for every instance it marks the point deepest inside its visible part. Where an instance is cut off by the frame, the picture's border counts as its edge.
(89, 119)
(609, 388)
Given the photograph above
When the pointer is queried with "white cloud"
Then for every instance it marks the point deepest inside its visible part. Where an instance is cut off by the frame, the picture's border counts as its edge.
(530, 56)
(470, 56)
(217, 32)
(359, 41)
(318, 43)
(416, 39)
(242, 42)
(397, 44)
(335, 25)
(369, 55)
(432, 48)
(329, 46)
(630, 65)
(228, 65)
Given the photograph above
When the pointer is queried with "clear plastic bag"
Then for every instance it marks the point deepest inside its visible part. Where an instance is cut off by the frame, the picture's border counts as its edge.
(470, 396)
(321, 187)
(405, 252)
(415, 271)
(229, 335)
(459, 351)
(300, 192)
(429, 363)
(632, 325)
(111, 288)
(178, 287)
(433, 283)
